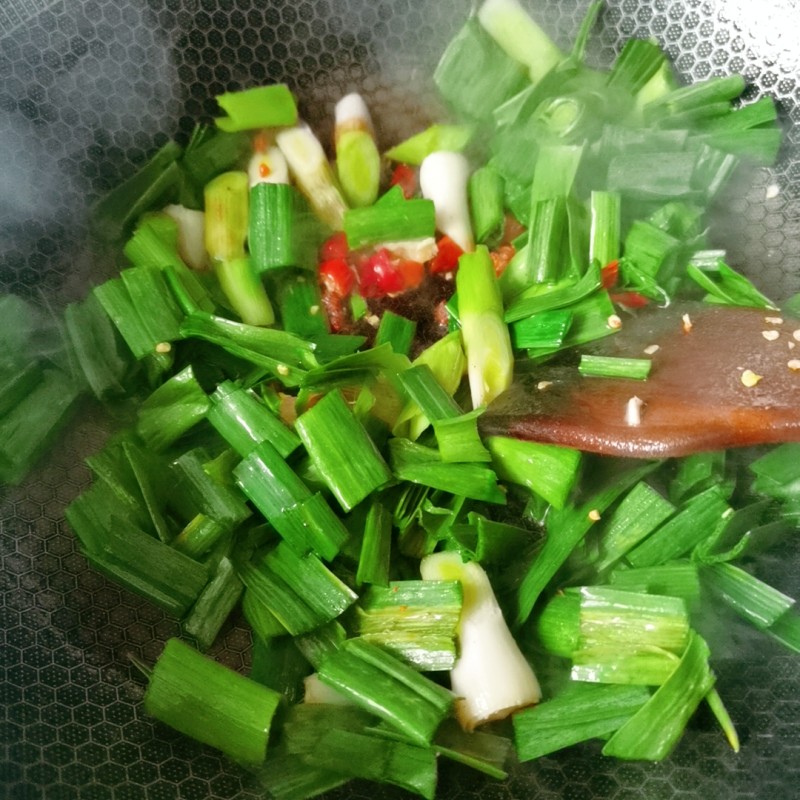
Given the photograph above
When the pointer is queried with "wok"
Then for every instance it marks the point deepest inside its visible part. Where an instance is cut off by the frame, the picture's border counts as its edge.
(88, 89)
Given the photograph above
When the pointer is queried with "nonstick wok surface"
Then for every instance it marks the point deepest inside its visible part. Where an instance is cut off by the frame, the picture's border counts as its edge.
(88, 88)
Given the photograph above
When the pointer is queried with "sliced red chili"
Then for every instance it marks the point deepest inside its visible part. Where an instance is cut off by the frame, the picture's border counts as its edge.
(630, 299)
(336, 277)
(609, 274)
(447, 255)
(334, 247)
(378, 275)
(405, 177)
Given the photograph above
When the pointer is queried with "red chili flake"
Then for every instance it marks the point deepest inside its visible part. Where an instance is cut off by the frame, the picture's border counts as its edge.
(412, 271)
(447, 255)
(501, 257)
(609, 275)
(334, 247)
(630, 299)
(405, 177)
(379, 275)
(382, 273)
(264, 170)
(336, 277)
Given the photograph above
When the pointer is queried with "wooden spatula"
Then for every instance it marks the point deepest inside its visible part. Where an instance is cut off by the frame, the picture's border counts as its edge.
(721, 377)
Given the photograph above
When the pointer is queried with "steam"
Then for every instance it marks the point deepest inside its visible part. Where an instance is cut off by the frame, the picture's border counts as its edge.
(107, 89)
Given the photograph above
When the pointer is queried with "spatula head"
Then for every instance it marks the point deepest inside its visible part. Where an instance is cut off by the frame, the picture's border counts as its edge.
(721, 377)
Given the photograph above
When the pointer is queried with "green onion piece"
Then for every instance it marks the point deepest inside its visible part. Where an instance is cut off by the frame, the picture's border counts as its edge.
(757, 602)
(150, 247)
(211, 703)
(612, 617)
(488, 541)
(269, 482)
(512, 27)
(358, 166)
(474, 75)
(565, 528)
(490, 361)
(652, 732)
(154, 183)
(638, 62)
(421, 386)
(283, 231)
(227, 216)
(604, 236)
(214, 605)
(413, 150)
(29, 428)
(301, 311)
(459, 440)
(141, 563)
(116, 300)
(723, 718)
(556, 168)
(580, 713)
(698, 472)
(260, 107)
(727, 287)
(279, 665)
(244, 421)
(397, 331)
(749, 530)
(423, 466)
(696, 95)
(548, 470)
(264, 623)
(136, 481)
(786, 630)
(312, 525)
(245, 292)
(285, 355)
(558, 624)
(647, 176)
(97, 349)
(17, 385)
(545, 298)
(153, 302)
(374, 558)
(380, 683)
(200, 535)
(289, 777)
(388, 222)
(614, 367)
(317, 644)
(544, 262)
(486, 190)
(698, 518)
(446, 360)
(488, 753)
(546, 329)
(194, 490)
(674, 578)
(623, 664)
(215, 153)
(324, 743)
(341, 450)
(415, 620)
(171, 410)
(300, 591)
(226, 229)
